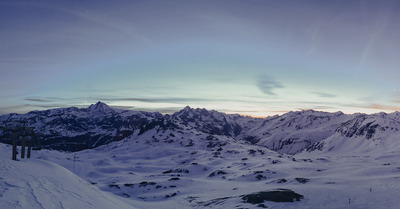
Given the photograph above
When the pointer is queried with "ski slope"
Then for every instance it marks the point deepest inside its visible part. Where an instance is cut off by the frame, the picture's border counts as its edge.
(33, 183)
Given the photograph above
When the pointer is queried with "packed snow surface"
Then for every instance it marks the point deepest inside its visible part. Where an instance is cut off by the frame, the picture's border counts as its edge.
(148, 174)
(34, 183)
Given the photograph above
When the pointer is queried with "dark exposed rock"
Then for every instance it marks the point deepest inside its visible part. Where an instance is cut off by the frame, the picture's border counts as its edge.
(279, 195)
(302, 180)
(218, 172)
(114, 186)
(171, 195)
(280, 181)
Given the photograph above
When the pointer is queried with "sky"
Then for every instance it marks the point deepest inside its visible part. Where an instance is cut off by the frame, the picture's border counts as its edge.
(251, 57)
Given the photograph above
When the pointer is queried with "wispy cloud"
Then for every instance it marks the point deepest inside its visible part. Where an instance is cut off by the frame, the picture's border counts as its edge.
(267, 84)
(61, 100)
(39, 100)
(156, 100)
(168, 110)
(24, 108)
(44, 106)
(175, 100)
(396, 97)
(380, 107)
(46, 101)
(318, 108)
(323, 94)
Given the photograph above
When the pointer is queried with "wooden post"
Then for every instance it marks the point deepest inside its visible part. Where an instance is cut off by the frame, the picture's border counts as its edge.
(29, 150)
(23, 144)
(14, 149)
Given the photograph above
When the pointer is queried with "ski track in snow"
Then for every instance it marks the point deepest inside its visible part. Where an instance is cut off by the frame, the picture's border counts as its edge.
(32, 192)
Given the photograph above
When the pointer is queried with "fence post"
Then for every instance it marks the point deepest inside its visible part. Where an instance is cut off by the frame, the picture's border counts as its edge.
(14, 149)
(29, 150)
(23, 145)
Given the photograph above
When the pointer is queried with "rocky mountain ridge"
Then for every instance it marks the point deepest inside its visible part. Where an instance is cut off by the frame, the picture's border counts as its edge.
(73, 129)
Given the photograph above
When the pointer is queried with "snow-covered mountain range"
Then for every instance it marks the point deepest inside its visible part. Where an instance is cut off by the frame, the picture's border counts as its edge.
(74, 129)
(196, 158)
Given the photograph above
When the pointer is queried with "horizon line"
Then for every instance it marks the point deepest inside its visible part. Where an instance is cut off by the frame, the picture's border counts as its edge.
(172, 110)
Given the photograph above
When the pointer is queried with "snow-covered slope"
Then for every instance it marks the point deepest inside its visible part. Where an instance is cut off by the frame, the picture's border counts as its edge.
(295, 131)
(377, 133)
(41, 184)
(167, 169)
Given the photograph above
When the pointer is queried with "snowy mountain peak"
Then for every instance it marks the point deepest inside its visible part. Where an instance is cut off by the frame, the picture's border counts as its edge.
(187, 108)
(100, 107)
(194, 111)
(198, 114)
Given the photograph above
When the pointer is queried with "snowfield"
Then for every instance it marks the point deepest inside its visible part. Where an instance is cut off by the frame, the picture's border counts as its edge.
(33, 183)
(147, 175)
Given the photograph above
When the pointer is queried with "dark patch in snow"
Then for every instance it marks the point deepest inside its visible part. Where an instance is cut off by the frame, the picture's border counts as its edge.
(218, 172)
(145, 183)
(279, 195)
(166, 172)
(275, 161)
(114, 186)
(262, 206)
(302, 180)
(260, 177)
(280, 181)
(170, 195)
(217, 201)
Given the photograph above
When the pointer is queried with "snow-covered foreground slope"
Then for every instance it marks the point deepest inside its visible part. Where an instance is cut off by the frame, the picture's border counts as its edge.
(218, 172)
(33, 183)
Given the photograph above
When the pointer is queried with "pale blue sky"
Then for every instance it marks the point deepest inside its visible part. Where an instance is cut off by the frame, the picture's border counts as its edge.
(254, 57)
